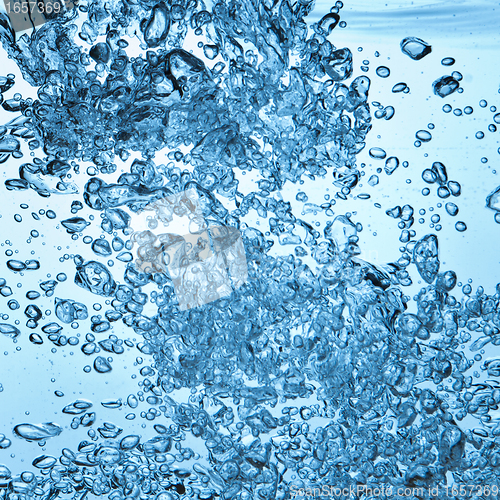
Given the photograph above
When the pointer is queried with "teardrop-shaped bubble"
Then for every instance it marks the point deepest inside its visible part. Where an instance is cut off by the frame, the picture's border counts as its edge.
(377, 153)
(399, 87)
(129, 442)
(423, 135)
(125, 257)
(101, 365)
(75, 224)
(44, 462)
(451, 208)
(117, 244)
(415, 48)
(37, 432)
(36, 339)
(9, 330)
(101, 247)
(493, 200)
(391, 164)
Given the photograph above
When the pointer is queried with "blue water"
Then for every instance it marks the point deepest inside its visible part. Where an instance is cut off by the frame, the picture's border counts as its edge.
(358, 171)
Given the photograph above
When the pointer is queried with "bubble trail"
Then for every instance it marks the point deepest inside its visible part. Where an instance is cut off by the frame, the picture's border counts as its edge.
(317, 368)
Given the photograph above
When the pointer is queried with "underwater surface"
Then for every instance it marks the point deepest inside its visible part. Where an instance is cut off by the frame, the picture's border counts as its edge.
(250, 250)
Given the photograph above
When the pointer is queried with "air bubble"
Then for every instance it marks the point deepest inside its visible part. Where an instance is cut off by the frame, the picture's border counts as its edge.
(383, 71)
(377, 153)
(423, 135)
(399, 87)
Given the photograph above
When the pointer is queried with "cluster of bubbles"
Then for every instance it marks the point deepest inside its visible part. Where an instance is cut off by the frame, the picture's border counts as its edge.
(376, 394)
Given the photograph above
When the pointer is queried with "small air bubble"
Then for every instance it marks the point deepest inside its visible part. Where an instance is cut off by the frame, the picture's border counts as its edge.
(383, 71)
(423, 135)
(448, 61)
